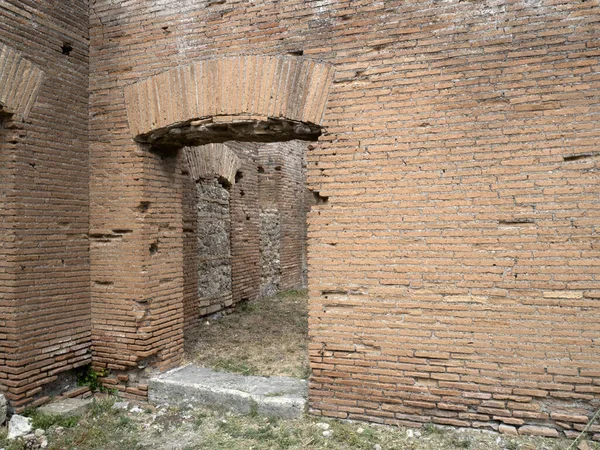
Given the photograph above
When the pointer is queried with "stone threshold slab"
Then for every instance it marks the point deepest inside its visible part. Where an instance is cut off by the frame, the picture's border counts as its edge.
(191, 386)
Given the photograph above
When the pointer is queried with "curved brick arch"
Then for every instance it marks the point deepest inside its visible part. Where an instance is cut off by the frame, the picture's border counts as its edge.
(239, 88)
(20, 82)
(212, 159)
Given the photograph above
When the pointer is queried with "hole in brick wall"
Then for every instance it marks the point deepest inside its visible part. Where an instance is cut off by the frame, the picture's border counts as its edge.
(154, 248)
(122, 231)
(143, 207)
(238, 176)
(579, 156)
(516, 222)
(66, 48)
(278, 168)
(334, 292)
(242, 193)
(319, 199)
(224, 182)
(260, 169)
(379, 47)
(297, 52)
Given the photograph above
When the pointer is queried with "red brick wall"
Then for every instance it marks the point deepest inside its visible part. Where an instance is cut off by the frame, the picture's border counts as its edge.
(453, 270)
(282, 185)
(44, 202)
(245, 250)
(293, 213)
(191, 308)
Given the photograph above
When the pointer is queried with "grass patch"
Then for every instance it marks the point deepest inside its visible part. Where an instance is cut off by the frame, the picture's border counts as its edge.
(268, 337)
(45, 421)
(230, 365)
(105, 428)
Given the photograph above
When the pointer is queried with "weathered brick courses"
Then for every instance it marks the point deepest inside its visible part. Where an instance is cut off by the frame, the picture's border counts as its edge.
(44, 202)
(453, 260)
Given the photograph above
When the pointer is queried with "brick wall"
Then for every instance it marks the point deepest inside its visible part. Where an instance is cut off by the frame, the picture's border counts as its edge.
(245, 224)
(293, 213)
(44, 201)
(453, 269)
(282, 186)
(191, 307)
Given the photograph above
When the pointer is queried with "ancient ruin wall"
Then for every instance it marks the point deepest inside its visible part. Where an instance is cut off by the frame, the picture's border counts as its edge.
(245, 224)
(44, 202)
(270, 251)
(191, 307)
(282, 186)
(453, 268)
(214, 246)
(293, 212)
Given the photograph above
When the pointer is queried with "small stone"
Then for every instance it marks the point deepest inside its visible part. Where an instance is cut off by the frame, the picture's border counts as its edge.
(66, 407)
(39, 433)
(323, 426)
(3, 408)
(410, 434)
(417, 434)
(44, 442)
(18, 426)
(360, 430)
(533, 430)
(507, 429)
(136, 409)
(327, 433)
(583, 445)
(121, 405)
(377, 447)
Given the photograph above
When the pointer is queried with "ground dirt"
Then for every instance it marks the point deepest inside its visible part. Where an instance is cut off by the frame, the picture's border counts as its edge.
(264, 337)
(145, 427)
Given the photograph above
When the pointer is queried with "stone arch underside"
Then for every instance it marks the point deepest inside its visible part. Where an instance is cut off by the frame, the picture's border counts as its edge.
(230, 98)
(20, 82)
(212, 160)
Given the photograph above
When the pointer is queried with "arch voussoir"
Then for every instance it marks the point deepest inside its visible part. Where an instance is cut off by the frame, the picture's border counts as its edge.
(20, 82)
(245, 88)
(210, 160)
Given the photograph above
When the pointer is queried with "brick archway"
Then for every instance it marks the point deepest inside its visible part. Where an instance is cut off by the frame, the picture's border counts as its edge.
(279, 97)
(20, 82)
(229, 90)
(212, 160)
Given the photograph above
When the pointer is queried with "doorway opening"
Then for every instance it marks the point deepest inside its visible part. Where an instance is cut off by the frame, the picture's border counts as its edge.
(245, 265)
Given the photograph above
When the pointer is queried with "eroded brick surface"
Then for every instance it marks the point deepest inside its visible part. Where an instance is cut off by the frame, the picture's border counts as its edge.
(453, 262)
(44, 201)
